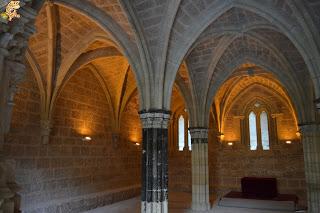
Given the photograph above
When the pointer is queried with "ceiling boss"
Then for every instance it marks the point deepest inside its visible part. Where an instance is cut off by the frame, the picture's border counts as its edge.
(9, 10)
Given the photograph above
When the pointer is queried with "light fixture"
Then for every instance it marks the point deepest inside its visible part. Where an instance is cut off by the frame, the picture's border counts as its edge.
(230, 143)
(221, 136)
(137, 144)
(298, 133)
(87, 138)
(288, 142)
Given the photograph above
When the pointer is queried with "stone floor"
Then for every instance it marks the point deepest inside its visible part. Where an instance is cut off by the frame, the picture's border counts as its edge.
(178, 203)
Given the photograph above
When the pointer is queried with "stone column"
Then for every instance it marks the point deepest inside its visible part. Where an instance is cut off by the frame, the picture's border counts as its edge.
(200, 174)
(154, 196)
(311, 149)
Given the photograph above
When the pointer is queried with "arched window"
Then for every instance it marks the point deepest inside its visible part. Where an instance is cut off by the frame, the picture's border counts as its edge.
(181, 133)
(253, 131)
(264, 130)
(189, 138)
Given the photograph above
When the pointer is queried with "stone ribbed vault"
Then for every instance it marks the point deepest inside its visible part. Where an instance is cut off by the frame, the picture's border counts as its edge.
(145, 47)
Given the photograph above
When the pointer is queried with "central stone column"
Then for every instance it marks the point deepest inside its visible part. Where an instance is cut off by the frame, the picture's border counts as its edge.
(200, 174)
(311, 149)
(154, 196)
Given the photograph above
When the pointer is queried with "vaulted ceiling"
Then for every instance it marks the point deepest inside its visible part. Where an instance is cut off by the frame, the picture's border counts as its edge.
(150, 45)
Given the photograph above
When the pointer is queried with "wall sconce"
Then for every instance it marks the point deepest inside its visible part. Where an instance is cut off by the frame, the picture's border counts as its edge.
(86, 138)
(298, 133)
(288, 142)
(137, 144)
(221, 136)
(230, 144)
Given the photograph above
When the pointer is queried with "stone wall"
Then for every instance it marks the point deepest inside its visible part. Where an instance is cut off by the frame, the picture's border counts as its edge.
(180, 173)
(228, 164)
(285, 117)
(130, 121)
(69, 174)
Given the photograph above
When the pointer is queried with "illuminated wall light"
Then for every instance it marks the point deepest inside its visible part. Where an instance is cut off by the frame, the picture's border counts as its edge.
(221, 136)
(87, 138)
(288, 142)
(230, 144)
(298, 134)
(137, 144)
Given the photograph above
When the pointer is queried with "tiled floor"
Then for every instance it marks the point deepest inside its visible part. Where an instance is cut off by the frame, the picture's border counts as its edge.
(178, 203)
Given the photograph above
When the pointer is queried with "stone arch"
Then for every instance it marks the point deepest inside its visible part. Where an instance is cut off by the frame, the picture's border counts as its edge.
(37, 73)
(270, 63)
(82, 61)
(272, 15)
(282, 97)
(75, 82)
(236, 35)
(297, 100)
(184, 91)
(119, 37)
(129, 121)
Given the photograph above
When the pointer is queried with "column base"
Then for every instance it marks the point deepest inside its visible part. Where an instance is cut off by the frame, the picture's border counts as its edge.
(201, 207)
(154, 207)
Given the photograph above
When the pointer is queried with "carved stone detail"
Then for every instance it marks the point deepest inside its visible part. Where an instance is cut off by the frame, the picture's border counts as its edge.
(199, 133)
(155, 120)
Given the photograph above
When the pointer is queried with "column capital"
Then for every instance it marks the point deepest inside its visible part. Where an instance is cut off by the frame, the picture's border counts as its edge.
(156, 119)
(198, 133)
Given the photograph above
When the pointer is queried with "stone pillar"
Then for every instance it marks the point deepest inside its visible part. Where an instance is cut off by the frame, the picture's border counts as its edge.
(311, 149)
(200, 174)
(154, 196)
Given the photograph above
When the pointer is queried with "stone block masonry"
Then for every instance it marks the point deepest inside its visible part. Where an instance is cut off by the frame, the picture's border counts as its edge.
(68, 174)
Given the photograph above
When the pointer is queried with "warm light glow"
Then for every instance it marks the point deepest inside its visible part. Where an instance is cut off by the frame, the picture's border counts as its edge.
(230, 144)
(83, 126)
(134, 137)
(137, 144)
(87, 138)
(298, 134)
(288, 142)
(221, 136)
